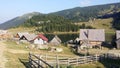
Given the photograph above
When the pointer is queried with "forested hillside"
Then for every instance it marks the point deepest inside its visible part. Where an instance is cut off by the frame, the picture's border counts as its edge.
(79, 14)
(51, 23)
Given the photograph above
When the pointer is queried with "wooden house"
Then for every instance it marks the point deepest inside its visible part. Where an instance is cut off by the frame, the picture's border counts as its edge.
(91, 37)
(27, 38)
(35, 39)
(118, 39)
(55, 41)
(20, 34)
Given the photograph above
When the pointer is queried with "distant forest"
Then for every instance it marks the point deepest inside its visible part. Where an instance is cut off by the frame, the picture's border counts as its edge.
(79, 14)
(52, 23)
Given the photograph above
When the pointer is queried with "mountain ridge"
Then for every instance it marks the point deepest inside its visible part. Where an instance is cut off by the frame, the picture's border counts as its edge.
(18, 20)
(77, 14)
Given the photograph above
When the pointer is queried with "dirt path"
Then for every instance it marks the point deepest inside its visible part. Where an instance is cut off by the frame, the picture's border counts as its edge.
(17, 51)
(3, 60)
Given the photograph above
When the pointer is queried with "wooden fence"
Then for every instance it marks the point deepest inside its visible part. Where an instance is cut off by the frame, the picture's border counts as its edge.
(111, 55)
(55, 61)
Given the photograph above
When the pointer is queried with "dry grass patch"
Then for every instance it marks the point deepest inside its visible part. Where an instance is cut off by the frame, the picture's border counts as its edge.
(16, 60)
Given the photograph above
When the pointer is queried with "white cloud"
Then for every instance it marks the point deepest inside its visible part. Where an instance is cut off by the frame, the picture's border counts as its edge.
(85, 3)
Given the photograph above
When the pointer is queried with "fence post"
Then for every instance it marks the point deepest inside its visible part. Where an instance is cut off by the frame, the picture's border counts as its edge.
(96, 56)
(39, 62)
(30, 57)
(46, 57)
(68, 62)
(40, 58)
(57, 61)
(85, 61)
(77, 61)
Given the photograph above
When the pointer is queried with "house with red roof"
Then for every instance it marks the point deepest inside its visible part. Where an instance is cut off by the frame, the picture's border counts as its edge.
(40, 39)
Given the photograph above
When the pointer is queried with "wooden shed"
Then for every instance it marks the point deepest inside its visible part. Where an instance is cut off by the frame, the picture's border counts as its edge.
(55, 41)
(91, 37)
(20, 34)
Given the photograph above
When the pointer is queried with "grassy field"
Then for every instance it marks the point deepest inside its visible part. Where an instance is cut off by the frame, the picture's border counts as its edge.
(22, 29)
(19, 58)
(16, 60)
(17, 54)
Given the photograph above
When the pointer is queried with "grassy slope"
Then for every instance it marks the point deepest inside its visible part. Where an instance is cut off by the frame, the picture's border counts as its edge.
(100, 24)
(22, 29)
(20, 60)
(17, 59)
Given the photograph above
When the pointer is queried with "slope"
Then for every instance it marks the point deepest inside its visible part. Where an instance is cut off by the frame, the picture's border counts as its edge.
(17, 21)
(86, 13)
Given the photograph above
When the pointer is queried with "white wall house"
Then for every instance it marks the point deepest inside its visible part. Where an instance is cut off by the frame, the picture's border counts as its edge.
(39, 41)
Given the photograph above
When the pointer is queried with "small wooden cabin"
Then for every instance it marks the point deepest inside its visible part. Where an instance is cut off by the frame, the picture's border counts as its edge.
(55, 41)
(20, 34)
(91, 37)
(27, 38)
(118, 39)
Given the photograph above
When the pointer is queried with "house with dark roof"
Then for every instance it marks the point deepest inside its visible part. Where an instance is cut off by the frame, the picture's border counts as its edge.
(118, 39)
(35, 39)
(55, 41)
(91, 37)
(20, 34)
(27, 38)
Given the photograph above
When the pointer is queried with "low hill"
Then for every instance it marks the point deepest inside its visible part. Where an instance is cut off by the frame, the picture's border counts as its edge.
(17, 21)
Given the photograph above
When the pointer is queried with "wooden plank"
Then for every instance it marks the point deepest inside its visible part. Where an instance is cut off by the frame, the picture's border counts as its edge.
(37, 64)
(43, 61)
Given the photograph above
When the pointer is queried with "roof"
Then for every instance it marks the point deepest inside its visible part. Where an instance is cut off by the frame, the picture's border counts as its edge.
(83, 34)
(29, 37)
(56, 40)
(92, 34)
(22, 33)
(117, 34)
(42, 37)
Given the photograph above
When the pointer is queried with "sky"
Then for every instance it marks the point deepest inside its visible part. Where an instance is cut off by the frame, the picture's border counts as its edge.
(12, 8)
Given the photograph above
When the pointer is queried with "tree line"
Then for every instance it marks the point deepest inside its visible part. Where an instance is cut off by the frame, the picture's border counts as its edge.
(53, 23)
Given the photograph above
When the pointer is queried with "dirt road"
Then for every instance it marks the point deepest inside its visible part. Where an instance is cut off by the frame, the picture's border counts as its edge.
(3, 60)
